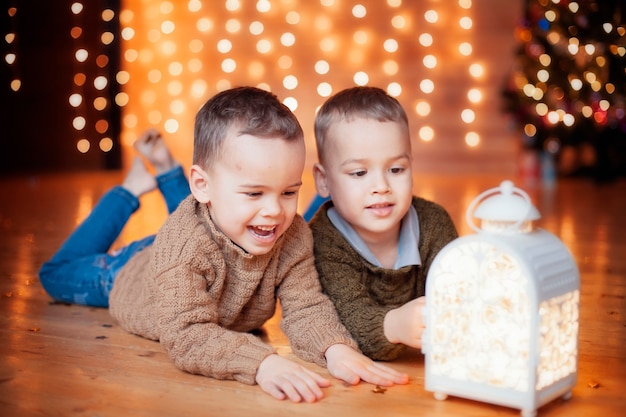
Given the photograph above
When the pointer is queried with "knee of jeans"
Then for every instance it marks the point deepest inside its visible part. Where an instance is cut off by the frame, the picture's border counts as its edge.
(45, 272)
(45, 278)
(52, 282)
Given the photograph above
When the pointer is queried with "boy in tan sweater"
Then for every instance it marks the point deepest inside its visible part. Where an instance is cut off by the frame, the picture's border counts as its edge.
(218, 265)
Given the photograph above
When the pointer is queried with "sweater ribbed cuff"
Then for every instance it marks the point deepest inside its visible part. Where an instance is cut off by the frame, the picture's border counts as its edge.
(248, 359)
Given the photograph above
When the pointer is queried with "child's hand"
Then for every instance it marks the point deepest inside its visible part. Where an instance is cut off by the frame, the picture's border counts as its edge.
(406, 324)
(282, 378)
(351, 366)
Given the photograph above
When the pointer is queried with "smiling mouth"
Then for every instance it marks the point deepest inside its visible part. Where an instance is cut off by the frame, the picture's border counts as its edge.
(381, 210)
(380, 206)
(263, 232)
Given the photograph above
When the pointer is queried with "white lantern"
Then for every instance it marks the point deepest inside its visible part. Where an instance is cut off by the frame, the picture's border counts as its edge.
(502, 309)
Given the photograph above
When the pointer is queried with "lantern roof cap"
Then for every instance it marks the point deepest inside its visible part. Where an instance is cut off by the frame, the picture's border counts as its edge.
(507, 203)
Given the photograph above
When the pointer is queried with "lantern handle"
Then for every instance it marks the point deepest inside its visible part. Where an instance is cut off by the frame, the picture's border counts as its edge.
(506, 185)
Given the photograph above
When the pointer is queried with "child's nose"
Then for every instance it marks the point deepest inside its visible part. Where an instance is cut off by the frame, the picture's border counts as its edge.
(380, 184)
(272, 207)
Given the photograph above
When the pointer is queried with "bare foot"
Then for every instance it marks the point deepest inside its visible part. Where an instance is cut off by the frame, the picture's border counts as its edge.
(139, 181)
(152, 147)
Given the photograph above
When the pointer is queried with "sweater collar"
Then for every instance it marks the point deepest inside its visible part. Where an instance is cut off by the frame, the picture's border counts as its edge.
(229, 248)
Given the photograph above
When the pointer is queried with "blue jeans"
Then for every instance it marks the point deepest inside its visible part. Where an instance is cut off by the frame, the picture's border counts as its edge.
(83, 270)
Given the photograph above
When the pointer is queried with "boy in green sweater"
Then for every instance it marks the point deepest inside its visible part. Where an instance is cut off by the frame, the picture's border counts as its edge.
(373, 241)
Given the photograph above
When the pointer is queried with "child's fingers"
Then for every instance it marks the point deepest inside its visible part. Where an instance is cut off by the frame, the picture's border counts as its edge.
(375, 373)
(349, 375)
(374, 376)
(299, 386)
(274, 391)
(291, 392)
(389, 373)
(319, 380)
(309, 385)
(305, 386)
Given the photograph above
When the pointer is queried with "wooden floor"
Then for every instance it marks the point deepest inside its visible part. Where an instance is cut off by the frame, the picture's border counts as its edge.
(59, 360)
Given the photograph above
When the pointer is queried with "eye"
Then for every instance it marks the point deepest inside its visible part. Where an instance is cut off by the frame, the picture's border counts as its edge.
(397, 170)
(254, 194)
(290, 193)
(359, 173)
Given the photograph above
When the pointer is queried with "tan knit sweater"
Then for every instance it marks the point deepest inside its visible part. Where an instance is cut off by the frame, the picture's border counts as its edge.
(200, 295)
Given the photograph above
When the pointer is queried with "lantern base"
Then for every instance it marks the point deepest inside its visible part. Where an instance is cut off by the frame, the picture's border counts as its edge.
(440, 396)
(529, 413)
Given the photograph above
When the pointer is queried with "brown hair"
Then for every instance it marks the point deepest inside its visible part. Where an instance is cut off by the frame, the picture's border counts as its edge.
(356, 102)
(249, 110)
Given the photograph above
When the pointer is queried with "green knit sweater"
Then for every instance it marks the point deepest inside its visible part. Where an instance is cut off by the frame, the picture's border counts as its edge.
(200, 295)
(363, 293)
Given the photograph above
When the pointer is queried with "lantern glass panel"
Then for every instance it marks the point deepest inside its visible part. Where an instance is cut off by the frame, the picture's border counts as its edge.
(558, 338)
(482, 288)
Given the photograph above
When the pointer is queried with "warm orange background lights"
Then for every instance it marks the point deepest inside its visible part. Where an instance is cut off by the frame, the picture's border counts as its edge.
(175, 55)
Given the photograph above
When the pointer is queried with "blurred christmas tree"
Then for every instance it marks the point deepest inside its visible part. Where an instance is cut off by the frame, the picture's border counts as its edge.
(568, 84)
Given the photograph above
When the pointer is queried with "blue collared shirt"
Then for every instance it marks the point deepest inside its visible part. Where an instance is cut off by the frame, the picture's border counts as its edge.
(408, 251)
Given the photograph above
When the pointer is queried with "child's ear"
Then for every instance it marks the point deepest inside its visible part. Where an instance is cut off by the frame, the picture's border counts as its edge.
(199, 184)
(321, 181)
